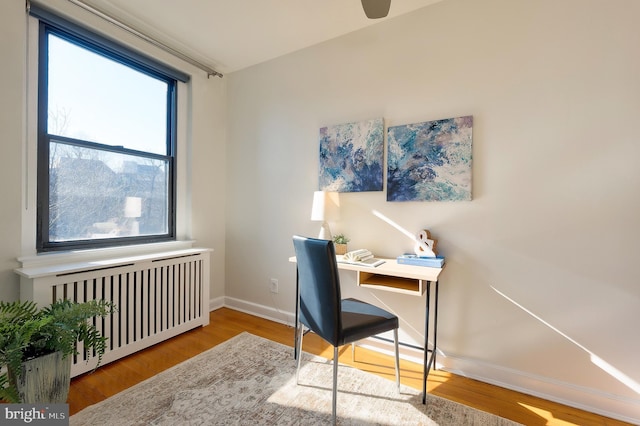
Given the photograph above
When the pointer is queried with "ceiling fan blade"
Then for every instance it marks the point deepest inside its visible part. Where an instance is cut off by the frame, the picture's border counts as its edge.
(375, 9)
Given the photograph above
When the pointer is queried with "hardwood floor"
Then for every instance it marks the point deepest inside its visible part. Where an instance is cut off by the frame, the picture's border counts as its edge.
(225, 323)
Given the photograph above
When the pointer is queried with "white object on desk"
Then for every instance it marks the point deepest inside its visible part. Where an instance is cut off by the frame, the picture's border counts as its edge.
(362, 257)
(424, 245)
(369, 262)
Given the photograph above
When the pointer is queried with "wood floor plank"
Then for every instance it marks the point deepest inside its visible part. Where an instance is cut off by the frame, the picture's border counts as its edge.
(226, 323)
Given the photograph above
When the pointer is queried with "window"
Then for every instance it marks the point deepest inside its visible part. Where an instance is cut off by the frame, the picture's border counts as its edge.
(106, 143)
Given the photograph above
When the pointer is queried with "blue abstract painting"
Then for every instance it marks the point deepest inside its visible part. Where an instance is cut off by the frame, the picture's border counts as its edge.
(352, 156)
(430, 161)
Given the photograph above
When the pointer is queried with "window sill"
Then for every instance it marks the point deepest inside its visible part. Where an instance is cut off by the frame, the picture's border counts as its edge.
(80, 256)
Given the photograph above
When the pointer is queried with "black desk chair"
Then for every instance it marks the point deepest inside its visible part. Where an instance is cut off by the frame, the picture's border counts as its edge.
(321, 309)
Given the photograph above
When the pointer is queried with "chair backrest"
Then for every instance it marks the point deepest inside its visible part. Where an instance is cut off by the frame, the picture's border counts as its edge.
(319, 287)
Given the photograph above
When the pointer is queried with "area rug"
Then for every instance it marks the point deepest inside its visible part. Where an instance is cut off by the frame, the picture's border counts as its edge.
(249, 380)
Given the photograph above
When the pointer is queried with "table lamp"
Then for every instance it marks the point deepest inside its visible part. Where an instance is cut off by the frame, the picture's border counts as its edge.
(132, 211)
(325, 208)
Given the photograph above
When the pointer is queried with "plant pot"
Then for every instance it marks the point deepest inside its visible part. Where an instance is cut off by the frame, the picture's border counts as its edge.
(45, 379)
(340, 248)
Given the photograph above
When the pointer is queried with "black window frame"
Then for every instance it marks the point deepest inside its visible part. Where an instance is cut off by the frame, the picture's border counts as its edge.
(51, 24)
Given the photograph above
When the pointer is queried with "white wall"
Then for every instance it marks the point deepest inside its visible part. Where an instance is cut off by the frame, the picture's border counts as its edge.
(541, 282)
(12, 107)
(201, 153)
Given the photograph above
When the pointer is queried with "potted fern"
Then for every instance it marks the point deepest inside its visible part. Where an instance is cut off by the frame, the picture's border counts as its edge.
(35, 344)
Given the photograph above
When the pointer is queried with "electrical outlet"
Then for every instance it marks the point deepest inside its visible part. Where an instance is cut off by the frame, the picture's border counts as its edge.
(273, 285)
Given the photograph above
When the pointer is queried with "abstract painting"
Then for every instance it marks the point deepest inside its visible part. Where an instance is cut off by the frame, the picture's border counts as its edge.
(430, 161)
(352, 156)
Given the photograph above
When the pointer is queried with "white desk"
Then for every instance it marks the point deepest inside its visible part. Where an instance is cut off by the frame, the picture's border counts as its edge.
(406, 279)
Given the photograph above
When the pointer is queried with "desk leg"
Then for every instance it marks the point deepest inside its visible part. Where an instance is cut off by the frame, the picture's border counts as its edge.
(435, 326)
(429, 360)
(295, 330)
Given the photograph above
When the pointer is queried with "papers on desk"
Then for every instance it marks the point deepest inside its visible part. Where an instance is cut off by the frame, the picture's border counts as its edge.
(362, 257)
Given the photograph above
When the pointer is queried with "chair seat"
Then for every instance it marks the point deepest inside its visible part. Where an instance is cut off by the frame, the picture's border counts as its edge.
(361, 320)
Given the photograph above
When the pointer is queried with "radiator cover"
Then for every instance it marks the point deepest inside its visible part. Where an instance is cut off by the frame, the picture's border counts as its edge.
(157, 296)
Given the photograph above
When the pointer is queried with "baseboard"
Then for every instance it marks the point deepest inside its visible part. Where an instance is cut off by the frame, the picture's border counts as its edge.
(266, 312)
(217, 303)
(587, 399)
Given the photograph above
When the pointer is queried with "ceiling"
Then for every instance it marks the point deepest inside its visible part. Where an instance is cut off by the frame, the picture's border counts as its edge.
(229, 35)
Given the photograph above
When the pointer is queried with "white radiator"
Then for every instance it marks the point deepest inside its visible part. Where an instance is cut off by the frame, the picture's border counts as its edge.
(157, 297)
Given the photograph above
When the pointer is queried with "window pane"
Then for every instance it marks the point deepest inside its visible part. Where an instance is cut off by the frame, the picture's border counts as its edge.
(96, 99)
(95, 194)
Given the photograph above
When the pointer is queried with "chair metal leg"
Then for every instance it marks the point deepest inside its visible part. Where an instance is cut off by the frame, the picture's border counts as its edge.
(300, 335)
(395, 341)
(353, 351)
(335, 382)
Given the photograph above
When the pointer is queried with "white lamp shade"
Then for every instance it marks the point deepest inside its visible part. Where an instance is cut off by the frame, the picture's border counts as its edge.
(133, 207)
(326, 206)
